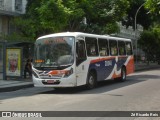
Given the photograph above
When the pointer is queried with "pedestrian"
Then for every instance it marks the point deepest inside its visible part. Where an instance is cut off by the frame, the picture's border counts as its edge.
(28, 68)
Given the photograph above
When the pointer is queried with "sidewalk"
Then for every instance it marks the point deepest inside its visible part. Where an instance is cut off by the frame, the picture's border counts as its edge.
(16, 84)
(144, 66)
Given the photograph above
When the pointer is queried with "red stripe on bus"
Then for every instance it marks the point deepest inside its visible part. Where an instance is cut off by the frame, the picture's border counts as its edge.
(101, 59)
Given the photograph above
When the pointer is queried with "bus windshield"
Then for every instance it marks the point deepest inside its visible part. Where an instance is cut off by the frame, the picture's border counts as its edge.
(54, 52)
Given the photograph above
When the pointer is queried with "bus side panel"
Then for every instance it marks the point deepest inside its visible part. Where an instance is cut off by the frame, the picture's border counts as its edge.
(103, 66)
(121, 62)
(110, 68)
(130, 66)
(128, 62)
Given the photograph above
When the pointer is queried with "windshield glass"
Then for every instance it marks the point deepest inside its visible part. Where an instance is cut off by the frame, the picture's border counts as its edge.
(54, 52)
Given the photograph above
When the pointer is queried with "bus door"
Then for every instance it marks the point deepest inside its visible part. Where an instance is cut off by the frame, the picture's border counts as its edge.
(81, 61)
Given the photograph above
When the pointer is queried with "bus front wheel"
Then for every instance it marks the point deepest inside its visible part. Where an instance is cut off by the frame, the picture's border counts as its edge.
(91, 81)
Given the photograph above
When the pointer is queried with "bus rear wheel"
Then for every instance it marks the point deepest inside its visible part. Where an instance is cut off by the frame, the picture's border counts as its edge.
(123, 74)
(91, 81)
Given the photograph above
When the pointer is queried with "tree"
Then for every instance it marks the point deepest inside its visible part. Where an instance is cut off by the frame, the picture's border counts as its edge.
(104, 14)
(154, 9)
(150, 44)
(153, 6)
(143, 18)
(60, 15)
(28, 25)
(50, 16)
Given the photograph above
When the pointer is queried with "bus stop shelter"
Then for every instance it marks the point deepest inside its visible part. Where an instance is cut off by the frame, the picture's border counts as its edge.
(26, 50)
(2, 59)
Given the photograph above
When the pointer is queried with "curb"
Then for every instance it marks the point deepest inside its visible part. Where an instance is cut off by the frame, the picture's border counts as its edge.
(147, 68)
(16, 87)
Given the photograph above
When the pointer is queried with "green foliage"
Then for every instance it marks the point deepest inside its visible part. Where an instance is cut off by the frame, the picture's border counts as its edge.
(102, 15)
(150, 43)
(153, 6)
(146, 39)
(53, 15)
(50, 16)
(28, 25)
(110, 28)
(16, 38)
(143, 18)
(154, 9)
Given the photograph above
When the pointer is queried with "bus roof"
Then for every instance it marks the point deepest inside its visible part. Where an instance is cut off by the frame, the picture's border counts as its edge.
(77, 34)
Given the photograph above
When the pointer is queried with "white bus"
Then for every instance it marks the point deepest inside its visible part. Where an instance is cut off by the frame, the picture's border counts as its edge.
(73, 59)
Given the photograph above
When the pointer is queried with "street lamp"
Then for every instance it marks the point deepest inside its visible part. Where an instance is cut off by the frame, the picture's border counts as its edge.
(135, 25)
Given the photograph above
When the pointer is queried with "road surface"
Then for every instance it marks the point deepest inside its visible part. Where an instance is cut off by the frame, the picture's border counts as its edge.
(141, 92)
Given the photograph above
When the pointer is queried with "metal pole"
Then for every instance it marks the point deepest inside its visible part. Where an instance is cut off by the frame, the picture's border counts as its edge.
(135, 25)
(4, 60)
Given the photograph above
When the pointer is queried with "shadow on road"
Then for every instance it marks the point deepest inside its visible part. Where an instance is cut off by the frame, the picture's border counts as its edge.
(105, 86)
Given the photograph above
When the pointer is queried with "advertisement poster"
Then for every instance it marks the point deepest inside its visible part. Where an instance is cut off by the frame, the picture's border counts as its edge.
(13, 62)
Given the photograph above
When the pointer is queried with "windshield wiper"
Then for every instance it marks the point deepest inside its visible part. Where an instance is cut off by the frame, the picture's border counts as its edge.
(65, 65)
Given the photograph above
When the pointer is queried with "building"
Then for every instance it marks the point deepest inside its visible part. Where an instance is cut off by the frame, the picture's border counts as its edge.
(8, 10)
(129, 32)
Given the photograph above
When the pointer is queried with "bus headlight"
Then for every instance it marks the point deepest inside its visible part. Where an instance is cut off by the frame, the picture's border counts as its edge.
(68, 72)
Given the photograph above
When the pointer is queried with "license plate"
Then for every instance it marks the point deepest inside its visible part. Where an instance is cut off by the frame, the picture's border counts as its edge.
(50, 81)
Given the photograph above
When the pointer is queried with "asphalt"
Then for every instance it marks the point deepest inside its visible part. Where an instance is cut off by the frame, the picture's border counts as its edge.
(12, 84)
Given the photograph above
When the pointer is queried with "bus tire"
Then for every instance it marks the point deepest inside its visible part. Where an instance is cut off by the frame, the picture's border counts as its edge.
(123, 74)
(91, 81)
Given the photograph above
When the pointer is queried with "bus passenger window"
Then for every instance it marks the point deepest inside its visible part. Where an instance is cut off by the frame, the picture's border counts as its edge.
(129, 48)
(92, 48)
(121, 48)
(103, 47)
(113, 47)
